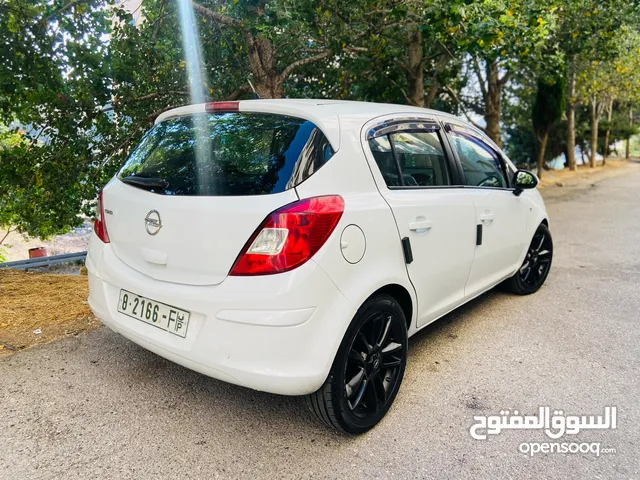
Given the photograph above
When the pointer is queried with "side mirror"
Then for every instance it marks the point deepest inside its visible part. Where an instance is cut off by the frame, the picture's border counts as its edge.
(522, 180)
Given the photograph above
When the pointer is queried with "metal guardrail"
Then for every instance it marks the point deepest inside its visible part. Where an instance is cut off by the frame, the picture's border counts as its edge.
(44, 261)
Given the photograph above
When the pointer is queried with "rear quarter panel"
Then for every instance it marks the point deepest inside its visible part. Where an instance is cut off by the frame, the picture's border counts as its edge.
(347, 174)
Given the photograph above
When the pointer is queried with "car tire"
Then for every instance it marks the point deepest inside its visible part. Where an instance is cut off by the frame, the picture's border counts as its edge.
(367, 371)
(534, 269)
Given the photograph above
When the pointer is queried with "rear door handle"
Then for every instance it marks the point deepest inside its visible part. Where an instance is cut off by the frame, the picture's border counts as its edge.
(421, 226)
(487, 218)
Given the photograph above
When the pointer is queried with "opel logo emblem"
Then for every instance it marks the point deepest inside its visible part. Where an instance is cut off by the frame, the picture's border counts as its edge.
(152, 222)
(376, 363)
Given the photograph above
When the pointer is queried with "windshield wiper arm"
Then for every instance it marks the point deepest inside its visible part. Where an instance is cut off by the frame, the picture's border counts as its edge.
(146, 182)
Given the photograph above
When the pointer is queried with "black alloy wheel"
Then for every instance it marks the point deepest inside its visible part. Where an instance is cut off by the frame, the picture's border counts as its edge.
(368, 369)
(537, 263)
(373, 364)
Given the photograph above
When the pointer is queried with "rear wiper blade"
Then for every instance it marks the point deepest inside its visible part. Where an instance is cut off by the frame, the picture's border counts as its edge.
(146, 182)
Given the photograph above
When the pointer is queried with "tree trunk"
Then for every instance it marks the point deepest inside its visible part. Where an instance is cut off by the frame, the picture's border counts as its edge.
(7, 233)
(605, 153)
(543, 148)
(594, 132)
(493, 102)
(441, 63)
(432, 92)
(267, 81)
(627, 152)
(415, 68)
(571, 119)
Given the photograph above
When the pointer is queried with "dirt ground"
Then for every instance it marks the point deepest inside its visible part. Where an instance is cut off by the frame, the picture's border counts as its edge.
(37, 308)
(567, 178)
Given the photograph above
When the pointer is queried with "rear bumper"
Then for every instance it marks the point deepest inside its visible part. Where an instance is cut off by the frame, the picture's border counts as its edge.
(276, 333)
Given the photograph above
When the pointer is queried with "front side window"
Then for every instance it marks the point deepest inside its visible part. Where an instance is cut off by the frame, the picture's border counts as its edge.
(226, 154)
(481, 165)
(411, 159)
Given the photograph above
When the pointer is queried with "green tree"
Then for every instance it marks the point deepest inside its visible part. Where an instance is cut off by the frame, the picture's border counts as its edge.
(601, 83)
(627, 78)
(53, 80)
(271, 40)
(585, 32)
(547, 111)
(499, 37)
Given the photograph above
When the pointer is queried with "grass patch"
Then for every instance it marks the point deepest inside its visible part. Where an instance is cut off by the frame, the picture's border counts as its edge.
(54, 306)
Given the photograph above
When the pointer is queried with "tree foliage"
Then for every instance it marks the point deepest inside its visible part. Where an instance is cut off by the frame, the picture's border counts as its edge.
(80, 81)
(54, 78)
(549, 105)
(548, 108)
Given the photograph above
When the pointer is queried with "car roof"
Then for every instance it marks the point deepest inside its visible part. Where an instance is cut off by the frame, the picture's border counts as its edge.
(326, 114)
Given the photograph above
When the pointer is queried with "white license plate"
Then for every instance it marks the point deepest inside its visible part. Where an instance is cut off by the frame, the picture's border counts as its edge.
(161, 315)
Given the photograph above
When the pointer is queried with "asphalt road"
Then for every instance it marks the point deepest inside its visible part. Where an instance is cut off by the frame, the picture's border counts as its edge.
(98, 406)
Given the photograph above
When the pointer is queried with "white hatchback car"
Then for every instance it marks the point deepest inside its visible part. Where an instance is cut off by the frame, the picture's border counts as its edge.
(293, 246)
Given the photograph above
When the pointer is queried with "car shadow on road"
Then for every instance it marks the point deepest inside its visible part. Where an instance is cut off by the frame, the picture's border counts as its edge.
(205, 403)
(446, 326)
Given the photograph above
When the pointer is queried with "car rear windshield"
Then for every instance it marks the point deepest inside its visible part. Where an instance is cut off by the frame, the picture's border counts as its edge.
(226, 154)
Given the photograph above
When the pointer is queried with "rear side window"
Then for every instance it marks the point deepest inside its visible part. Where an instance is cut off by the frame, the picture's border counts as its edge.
(227, 154)
(381, 150)
(411, 159)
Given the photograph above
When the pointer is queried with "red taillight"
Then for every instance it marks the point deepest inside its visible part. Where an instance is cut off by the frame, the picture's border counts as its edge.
(99, 225)
(216, 107)
(289, 236)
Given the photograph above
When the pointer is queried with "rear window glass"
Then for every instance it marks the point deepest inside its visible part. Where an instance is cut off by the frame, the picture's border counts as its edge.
(226, 154)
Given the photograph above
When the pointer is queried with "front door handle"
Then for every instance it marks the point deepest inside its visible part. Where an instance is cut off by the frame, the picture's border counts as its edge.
(487, 218)
(420, 226)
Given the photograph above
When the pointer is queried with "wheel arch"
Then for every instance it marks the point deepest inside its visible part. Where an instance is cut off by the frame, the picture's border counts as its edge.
(401, 295)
